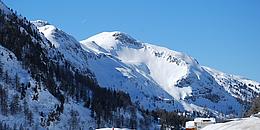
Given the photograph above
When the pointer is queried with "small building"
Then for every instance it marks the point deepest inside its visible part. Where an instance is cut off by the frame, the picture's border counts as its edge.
(199, 123)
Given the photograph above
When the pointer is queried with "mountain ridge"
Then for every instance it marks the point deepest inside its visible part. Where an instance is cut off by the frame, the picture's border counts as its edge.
(193, 69)
(109, 75)
(137, 58)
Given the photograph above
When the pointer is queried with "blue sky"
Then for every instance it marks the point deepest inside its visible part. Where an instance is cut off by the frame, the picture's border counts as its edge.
(222, 34)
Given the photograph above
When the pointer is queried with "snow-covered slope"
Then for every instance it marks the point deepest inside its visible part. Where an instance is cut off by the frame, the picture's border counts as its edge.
(28, 103)
(64, 44)
(59, 69)
(41, 108)
(179, 75)
(109, 71)
(154, 77)
(237, 86)
(250, 123)
(113, 129)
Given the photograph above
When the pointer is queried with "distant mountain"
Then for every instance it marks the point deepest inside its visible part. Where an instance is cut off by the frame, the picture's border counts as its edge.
(50, 80)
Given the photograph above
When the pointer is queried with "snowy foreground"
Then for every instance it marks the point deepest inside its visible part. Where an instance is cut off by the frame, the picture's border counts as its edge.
(113, 129)
(251, 123)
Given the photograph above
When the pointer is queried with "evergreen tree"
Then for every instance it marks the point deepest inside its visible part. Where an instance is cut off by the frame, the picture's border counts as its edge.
(27, 113)
(14, 126)
(74, 120)
(25, 107)
(15, 106)
(255, 107)
(30, 118)
(6, 78)
(3, 101)
(1, 69)
(17, 83)
(21, 127)
(133, 118)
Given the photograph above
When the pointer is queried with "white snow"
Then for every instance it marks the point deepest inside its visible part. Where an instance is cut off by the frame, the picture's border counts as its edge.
(145, 71)
(148, 73)
(46, 102)
(164, 67)
(143, 58)
(103, 39)
(113, 129)
(251, 123)
(227, 80)
(64, 43)
(12, 66)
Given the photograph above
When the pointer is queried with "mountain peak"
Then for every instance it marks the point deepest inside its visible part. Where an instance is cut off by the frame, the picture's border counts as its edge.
(113, 40)
(40, 23)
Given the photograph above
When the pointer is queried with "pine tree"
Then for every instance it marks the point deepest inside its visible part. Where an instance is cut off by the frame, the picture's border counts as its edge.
(3, 101)
(133, 118)
(14, 126)
(1, 69)
(1, 124)
(6, 77)
(17, 83)
(87, 103)
(255, 107)
(74, 120)
(25, 108)
(30, 118)
(15, 106)
(21, 127)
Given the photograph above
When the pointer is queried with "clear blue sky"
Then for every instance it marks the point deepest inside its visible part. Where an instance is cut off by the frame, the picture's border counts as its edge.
(222, 34)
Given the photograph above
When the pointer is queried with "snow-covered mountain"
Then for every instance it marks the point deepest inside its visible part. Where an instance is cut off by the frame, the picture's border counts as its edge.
(25, 100)
(42, 107)
(154, 77)
(65, 76)
(188, 83)
(48, 85)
